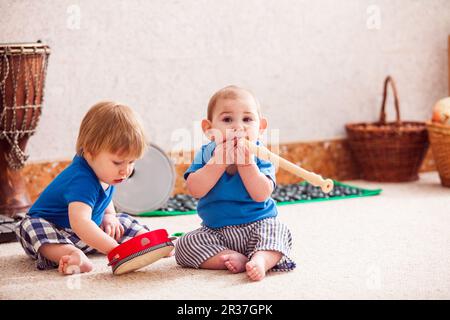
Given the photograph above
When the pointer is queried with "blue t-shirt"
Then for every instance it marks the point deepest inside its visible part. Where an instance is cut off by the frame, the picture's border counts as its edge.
(77, 182)
(228, 202)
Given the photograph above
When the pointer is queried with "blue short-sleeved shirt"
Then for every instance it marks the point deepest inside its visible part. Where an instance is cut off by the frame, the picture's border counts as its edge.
(77, 182)
(228, 202)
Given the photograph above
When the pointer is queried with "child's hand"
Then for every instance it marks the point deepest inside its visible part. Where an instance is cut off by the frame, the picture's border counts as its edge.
(243, 155)
(112, 226)
(224, 152)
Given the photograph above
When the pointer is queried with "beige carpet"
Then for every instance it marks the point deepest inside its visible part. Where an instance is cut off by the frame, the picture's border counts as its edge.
(393, 246)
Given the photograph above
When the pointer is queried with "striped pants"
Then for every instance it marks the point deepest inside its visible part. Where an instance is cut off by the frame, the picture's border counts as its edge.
(197, 246)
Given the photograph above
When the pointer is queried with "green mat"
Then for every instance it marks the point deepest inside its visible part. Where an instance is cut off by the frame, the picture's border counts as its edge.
(362, 193)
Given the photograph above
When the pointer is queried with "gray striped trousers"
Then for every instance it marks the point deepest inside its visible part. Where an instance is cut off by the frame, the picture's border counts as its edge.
(197, 246)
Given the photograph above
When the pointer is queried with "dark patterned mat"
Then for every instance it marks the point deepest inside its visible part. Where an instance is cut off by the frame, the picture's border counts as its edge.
(182, 204)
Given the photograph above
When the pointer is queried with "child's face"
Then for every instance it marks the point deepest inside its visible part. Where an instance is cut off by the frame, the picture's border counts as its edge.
(110, 168)
(235, 117)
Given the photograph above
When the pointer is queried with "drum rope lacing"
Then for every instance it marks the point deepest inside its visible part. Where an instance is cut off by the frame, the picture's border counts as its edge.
(16, 157)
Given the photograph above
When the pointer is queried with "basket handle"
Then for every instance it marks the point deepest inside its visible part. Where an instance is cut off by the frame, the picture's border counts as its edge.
(383, 106)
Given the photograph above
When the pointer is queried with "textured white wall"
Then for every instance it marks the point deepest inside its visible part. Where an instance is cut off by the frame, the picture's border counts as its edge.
(314, 65)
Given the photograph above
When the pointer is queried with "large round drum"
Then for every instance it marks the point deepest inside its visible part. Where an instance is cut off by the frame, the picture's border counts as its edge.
(150, 185)
(23, 68)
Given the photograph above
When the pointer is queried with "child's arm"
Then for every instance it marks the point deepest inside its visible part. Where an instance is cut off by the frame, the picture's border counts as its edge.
(200, 182)
(258, 185)
(86, 229)
(110, 209)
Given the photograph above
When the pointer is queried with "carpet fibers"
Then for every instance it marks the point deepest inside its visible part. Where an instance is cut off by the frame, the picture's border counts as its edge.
(392, 246)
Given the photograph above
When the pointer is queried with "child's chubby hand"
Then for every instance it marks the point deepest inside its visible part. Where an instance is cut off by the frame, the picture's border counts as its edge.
(112, 226)
(233, 151)
(224, 152)
(244, 157)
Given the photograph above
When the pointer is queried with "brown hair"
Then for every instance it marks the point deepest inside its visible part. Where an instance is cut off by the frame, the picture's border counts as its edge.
(113, 127)
(229, 92)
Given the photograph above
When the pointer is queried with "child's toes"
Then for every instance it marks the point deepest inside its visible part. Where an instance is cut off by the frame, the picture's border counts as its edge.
(253, 271)
(250, 266)
(72, 269)
(63, 263)
(254, 275)
(230, 266)
(61, 267)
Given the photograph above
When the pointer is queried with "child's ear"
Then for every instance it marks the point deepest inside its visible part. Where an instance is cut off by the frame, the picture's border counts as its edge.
(206, 127)
(87, 155)
(263, 123)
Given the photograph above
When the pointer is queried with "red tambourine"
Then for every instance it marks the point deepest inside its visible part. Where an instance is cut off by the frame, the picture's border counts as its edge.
(140, 251)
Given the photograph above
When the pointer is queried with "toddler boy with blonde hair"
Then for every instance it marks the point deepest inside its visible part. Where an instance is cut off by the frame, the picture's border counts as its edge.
(75, 214)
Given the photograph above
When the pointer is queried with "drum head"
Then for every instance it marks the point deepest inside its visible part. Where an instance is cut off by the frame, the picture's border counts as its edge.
(142, 259)
(149, 187)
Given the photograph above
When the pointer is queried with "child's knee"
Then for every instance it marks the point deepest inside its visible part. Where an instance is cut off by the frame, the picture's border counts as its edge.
(180, 245)
(183, 251)
(188, 241)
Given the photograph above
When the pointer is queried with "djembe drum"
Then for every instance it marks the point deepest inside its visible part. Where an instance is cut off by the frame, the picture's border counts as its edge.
(23, 69)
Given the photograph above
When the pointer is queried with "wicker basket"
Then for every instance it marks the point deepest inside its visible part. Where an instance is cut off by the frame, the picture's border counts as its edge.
(388, 151)
(440, 145)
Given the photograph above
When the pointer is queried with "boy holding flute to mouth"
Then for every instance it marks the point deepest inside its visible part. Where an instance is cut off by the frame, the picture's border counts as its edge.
(240, 229)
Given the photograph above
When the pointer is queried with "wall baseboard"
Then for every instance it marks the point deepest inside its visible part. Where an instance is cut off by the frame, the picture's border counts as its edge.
(331, 159)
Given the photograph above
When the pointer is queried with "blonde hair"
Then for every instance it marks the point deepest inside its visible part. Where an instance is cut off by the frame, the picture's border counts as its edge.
(229, 92)
(113, 127)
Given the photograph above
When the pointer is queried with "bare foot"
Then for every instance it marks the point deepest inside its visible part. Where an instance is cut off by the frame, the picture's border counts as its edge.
(235, 262)
(76, 262)
(256, 269)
